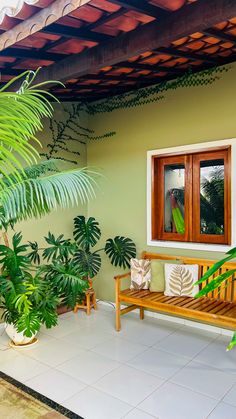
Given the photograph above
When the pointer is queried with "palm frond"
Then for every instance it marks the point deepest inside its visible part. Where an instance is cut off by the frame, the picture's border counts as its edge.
(33, 198)
(21, 115)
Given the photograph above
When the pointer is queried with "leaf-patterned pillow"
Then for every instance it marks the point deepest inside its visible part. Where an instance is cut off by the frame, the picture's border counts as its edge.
(140, 274)
(180, 280)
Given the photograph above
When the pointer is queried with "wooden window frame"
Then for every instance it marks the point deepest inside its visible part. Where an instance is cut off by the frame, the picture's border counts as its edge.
(191, 160)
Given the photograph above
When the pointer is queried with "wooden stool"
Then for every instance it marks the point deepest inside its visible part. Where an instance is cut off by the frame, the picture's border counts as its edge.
(88, 303)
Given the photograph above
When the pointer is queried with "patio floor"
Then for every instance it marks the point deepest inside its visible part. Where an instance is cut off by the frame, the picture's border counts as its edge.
(152, 368)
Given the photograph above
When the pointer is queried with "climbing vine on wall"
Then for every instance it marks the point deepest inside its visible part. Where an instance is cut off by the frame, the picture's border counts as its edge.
(67, 134)
(155, 93)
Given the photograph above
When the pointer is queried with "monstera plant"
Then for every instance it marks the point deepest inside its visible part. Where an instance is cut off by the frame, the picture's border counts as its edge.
(217, 281)
(87, 233)
(29, 296)
(80, 251)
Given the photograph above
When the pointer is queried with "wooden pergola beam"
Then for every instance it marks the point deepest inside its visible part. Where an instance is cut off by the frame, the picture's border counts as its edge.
(149, 67)
(223, 36)
(177, 53)
(76, 33)
(195, 17)
(31, 54)
(124, 78)
(142, 6)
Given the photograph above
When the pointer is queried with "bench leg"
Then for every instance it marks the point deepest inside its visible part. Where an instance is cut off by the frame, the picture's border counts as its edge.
(94, 301)
(118, 324)
(76, 308)
(141, 313)
(88, 304)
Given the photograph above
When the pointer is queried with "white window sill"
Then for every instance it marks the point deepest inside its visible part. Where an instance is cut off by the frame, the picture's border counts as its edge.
(190, 246)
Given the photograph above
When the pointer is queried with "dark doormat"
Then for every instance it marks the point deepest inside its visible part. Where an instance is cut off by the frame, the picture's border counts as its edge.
(21, 402)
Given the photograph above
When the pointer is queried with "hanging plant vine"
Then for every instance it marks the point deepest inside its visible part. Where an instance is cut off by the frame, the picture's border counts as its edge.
(146, 95)
(68, 132)
(72, 132)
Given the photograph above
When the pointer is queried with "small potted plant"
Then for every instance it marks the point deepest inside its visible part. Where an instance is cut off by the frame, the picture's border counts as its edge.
(30, 296)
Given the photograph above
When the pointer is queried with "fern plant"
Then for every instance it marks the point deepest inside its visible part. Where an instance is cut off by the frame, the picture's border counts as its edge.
(29, 296)
(80, 252)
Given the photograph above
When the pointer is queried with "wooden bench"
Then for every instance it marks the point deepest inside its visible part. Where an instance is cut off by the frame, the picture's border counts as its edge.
(218, 308)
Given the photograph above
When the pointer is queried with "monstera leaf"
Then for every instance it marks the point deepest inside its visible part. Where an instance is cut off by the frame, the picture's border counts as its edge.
(86, 232)
(181, 281)
(89, 262)
(120, 250)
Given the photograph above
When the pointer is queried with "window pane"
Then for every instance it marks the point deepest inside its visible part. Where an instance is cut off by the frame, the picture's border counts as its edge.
(212, 196)
(174, 198)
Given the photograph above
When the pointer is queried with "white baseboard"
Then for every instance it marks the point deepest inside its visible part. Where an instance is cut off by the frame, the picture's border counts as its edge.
(174, 319)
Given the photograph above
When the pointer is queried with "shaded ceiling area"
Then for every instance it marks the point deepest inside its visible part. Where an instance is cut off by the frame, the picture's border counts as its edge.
(101, 48)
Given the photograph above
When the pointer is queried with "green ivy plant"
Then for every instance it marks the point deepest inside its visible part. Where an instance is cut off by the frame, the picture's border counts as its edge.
(216, 282)
(80, 252)
(30, 295)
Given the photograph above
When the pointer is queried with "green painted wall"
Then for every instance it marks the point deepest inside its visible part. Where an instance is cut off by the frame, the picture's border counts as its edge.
(185, 116)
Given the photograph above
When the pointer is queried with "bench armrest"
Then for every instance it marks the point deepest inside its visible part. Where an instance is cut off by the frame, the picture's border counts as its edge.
(117, 282)
(118, 277)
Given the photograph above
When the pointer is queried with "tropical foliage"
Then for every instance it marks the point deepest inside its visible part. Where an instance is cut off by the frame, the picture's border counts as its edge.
(217, 281)
(29, 296)
(79, 252)
(38, 188)
(211, 201)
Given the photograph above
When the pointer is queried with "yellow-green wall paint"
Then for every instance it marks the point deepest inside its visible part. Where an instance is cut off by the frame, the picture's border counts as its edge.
(184, 116)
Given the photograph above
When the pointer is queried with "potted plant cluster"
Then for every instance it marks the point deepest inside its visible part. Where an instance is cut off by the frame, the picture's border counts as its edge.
(30, 295)
(32, 285)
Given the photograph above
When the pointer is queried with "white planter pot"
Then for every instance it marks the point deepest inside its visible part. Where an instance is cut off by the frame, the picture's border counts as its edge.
(17, 338)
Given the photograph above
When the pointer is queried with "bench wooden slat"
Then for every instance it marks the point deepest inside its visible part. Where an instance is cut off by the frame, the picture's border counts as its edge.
(211, 306)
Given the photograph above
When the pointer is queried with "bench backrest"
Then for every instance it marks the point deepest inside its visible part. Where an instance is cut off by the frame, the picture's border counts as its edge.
(226, 292)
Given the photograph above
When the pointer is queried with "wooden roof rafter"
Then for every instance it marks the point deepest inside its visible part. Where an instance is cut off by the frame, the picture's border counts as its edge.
(123, 45)
(192, 18)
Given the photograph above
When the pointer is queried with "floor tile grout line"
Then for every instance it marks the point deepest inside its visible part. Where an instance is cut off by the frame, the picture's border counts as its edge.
(103, 392)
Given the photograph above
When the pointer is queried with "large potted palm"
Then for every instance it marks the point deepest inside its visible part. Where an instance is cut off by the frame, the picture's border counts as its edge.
(30, 188)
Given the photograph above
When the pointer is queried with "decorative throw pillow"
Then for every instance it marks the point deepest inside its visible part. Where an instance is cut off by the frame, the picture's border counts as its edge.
(157, 283)
(140, 274)
(180, 280)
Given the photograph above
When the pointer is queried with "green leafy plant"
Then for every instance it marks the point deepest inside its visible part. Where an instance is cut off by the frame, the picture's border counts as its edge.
(217, 281)
(80, 252)
(30, 295)
(38, 188)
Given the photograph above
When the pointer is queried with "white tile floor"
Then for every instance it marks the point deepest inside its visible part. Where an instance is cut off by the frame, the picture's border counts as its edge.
(151, 369)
